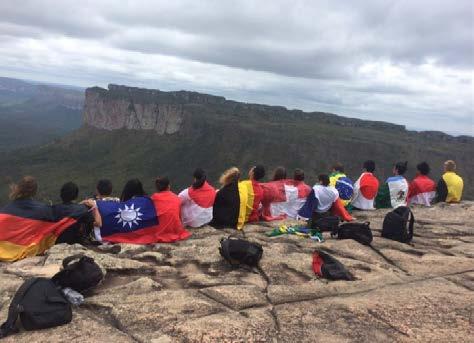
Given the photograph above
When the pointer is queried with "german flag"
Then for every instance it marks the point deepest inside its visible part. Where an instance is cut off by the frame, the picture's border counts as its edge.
(28, 228)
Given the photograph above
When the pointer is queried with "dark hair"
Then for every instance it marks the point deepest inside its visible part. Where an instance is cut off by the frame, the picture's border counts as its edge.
(258, 172)
(200, 176)
(338, 167)
(279, 174)
(25, 189)
(298, 175)
(133, 188)
(401, 167)
(69, 192)
(369, 165)
(162, 183)
(324, 179)
(423, 168)
(104, 187)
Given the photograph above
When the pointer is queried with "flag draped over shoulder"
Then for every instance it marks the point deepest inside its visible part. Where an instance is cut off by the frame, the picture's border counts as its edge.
(422, 190)
(196, 205)
(170, 228)
(365, 190)
(225, 211)
(344, 186)
(26, 231)
(283, 198)
(250, 197)
(392, 193)
(322, 199)
(142, 220)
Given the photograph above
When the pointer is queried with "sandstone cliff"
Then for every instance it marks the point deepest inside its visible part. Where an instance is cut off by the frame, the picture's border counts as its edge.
(148, 109)
(139, 109)
(185, 292)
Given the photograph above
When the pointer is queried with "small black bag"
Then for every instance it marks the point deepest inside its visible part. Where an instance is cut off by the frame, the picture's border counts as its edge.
(326, 266)
(39, 304)
(324, 223)
(81, 275)
(398, 225)
(240, 251)
(359, 232)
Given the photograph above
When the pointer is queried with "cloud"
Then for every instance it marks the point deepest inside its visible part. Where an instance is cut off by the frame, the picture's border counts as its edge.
(400, 61)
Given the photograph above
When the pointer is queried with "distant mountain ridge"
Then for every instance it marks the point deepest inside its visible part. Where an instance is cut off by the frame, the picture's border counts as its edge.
(32, 114)
(131, 132)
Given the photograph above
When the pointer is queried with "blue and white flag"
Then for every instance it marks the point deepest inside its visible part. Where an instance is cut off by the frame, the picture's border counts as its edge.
(121, 219)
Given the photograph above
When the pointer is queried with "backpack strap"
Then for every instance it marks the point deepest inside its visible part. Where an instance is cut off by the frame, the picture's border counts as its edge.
(8, 327)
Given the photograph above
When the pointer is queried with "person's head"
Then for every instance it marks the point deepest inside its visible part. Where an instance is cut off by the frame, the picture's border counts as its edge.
(162, 184)
(26, 188)
(104, 188)
(257, 172)
(323, 179)
(69, 192)
(338, 167)
(279, 174)
(400, 168)
(133, 188)
(369, 166)
(423, 168)
(200, 177)
(298, 175)
(449, 166)
(229, 176)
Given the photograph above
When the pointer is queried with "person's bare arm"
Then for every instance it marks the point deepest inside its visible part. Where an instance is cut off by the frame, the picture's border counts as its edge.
(91, 203)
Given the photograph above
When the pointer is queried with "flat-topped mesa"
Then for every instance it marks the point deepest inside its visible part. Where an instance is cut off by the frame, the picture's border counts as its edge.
(120, 107)
(139, 109)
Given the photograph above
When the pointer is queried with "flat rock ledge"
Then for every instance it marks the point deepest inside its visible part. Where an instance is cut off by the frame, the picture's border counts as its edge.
(185, 292)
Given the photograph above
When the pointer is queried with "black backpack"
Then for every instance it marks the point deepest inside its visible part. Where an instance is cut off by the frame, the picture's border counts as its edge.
(326, 266)
(39, 304)
(326, 223)
(81, 275)
(238, 251)
(398, 225)
(359, 232)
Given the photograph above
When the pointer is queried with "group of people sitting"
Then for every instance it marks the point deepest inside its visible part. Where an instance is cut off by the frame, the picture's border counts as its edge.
(162, 217)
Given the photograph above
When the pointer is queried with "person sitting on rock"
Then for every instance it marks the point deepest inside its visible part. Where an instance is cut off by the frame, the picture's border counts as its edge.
(104, 191)
(80, 231)
(342, 183)
(422, 189)
(251, 195)
(365, 188)
(394, 191)
(279, 174)
(168, 206)
(197, 201)
(225, 211)
(323, 201)
(133, 188)
(28, 227)
(450, 186)
(283, 198)
(238, 202)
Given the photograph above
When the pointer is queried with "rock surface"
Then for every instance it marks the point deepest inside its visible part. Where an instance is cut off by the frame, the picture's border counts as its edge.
(185, 292)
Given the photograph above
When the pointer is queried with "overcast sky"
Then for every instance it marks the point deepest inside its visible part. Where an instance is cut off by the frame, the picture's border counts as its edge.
(409, 62)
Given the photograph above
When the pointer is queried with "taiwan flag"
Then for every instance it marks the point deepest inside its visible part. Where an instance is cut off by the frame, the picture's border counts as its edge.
(132, 221)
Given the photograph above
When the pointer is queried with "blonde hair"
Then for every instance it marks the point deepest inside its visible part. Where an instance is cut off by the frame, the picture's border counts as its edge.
(25, 189)
(450, 165)
(229, 176)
